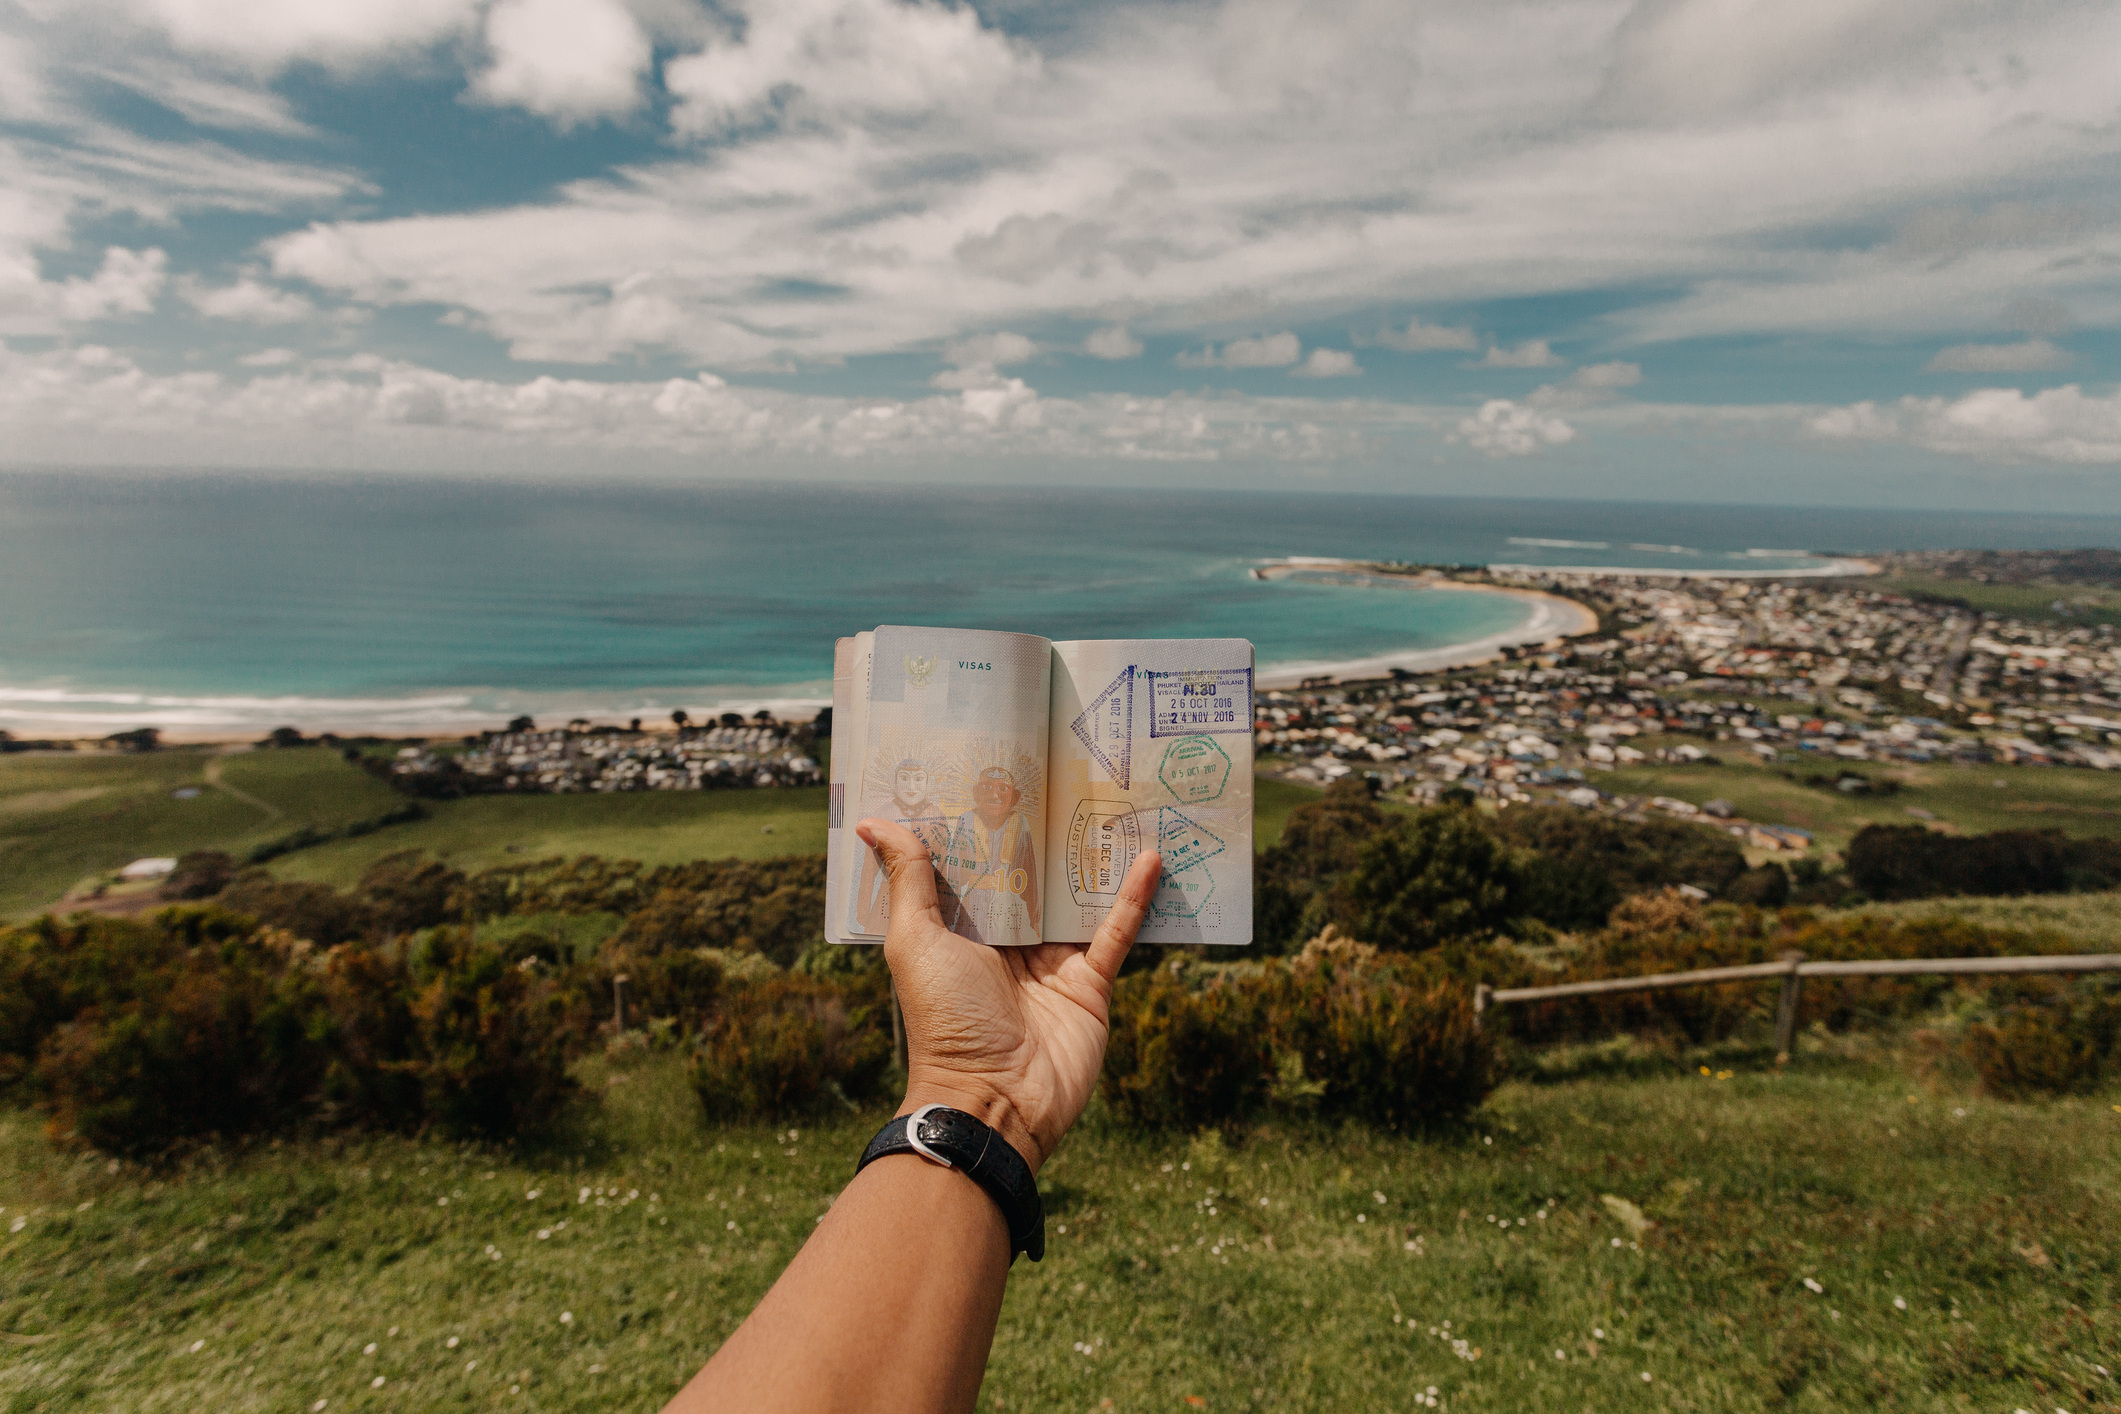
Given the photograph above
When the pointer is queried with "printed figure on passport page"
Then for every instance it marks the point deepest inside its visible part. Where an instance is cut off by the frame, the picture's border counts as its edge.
(1036, 773)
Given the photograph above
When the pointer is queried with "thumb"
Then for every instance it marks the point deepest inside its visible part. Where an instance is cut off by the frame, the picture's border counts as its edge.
(905, 860)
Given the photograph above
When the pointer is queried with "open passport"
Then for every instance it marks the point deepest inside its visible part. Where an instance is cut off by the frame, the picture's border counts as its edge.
(1036, 772)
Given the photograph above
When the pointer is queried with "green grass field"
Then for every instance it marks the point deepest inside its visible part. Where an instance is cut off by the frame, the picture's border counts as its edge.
(2088, 603)
(1299, 1269)
(67, 819)
(1966, 798)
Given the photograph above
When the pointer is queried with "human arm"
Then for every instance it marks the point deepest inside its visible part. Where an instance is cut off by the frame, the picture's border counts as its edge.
(891, 1304)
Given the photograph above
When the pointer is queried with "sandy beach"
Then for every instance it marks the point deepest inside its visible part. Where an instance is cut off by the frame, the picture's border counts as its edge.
(1552, 618)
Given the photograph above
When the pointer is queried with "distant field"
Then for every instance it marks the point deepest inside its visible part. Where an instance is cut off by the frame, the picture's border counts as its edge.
(2094, 918)
(2088, 603)
(65, 819)
(1857, 1231)
(1965, 798)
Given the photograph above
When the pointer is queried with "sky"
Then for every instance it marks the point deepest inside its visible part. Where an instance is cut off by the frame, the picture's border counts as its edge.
(1859, 252)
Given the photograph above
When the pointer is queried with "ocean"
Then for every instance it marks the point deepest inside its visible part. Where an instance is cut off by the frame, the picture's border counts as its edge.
(223, 604)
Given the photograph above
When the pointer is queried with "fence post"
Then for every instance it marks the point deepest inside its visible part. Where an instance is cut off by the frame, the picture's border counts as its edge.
(1786, 1010)
(1481, 991)
(618, 1001)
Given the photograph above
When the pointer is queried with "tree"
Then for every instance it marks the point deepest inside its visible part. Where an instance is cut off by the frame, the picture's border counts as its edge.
(763, 717)
(732, 719)
(1319, 841)
(408, 891)
(1437, 877)
(284, 737)
(679, 719)
(519, 725)
(138, 739)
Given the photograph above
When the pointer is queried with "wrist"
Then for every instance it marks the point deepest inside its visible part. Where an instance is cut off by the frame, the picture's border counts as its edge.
(985, 1104)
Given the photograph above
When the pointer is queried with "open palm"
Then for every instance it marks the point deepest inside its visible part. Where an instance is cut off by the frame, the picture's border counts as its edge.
(1013, 1036)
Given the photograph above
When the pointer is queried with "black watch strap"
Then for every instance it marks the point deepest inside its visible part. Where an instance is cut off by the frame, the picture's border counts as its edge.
(953, 1137)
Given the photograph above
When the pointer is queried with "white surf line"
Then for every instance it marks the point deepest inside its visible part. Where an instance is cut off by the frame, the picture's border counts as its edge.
(1552, 618)
(1831, 569)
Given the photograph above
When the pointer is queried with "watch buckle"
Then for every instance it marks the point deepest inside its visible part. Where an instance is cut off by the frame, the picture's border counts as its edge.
(913, 1135)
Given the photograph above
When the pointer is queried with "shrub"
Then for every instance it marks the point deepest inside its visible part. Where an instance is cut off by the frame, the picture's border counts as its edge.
(491, 1053)
(200, 874)
(1636, 856)
(1424, 880)
(1391, 1049)
(407, 891)
(789, 1046)
(1344, 1030)
(2056, 1043)
(1908, 861)
(1319, 842)
(1183, 1056)
(317, 912)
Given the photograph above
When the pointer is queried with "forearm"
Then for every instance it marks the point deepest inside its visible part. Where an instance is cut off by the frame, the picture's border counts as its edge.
(890, 1305)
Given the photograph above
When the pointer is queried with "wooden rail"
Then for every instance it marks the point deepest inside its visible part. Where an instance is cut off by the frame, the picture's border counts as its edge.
(1792, 968)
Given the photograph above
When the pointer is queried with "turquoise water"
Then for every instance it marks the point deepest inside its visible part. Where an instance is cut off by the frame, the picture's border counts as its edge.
(203, 602)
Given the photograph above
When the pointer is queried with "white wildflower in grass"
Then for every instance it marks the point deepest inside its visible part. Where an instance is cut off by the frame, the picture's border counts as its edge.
(1359, 1217)
(566, 1318)
(1597, 1334)
(318, 1407)
(392, 1331)
(441, 1202)
(1616, 1242)
(1899, 1303)
(18, 1224)
(453, 1342)
(376, 1383)
(582, 1197)
(196, 1346)
(543, 1233)
(1262, 1202)
(1645, 1376)
(1814, 1287)
(1377, 1197)
(729, 1227)
(531, 1194)
(369, 1349)
(1559, 1355)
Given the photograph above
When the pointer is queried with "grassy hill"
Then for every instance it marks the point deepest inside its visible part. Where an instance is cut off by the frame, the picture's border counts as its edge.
(69, 818)
(1302, 1269)
(1968, 799)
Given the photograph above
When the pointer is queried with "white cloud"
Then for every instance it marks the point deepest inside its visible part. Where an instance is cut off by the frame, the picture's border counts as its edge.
(1532, 353)
(93, 404)
(1607, 375)
(1507, 429)
(1112, 342)
(1327, 363)
(2033, 355)
(270, 34)
(1998, 424)
(248, 300)
(126, 283)
(571, 60)
(270, 358)
(1418, 337)
(844, 58)
(993, 350)
(1267, 351)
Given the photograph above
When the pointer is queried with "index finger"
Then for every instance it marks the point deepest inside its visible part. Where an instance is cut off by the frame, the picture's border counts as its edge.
(1115, 936)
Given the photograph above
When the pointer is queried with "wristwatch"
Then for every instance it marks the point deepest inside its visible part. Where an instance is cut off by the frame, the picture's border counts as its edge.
(956, 1140)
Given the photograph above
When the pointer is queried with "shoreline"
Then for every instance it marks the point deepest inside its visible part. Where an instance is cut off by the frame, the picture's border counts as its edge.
(1552, 619)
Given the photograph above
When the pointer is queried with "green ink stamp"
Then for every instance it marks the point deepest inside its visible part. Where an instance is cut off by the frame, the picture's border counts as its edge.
(1195, 770)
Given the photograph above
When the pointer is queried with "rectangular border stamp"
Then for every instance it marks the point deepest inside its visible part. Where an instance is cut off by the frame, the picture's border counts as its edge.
(1210, 701)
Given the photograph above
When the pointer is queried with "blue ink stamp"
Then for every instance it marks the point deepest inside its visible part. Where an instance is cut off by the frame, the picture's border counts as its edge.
(1195, 770)
(1183, 843)
(1217, 701)
(1106, 729)
(1182, 896)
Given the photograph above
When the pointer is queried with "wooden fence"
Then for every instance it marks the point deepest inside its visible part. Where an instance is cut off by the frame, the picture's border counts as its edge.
(1792, 968)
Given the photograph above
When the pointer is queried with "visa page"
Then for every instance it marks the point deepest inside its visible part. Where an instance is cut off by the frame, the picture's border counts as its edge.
(953, 746)
(1151, 748)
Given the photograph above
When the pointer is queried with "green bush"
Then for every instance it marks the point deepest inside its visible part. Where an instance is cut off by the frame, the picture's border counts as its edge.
(789, 1046)
(1343, 1031)
(2058, 1040)
(1425, 880)
(1909, 861)
(1187, 1056)
(136, 1034)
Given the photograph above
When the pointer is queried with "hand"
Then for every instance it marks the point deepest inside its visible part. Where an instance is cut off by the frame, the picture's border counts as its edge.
(1012, 1036)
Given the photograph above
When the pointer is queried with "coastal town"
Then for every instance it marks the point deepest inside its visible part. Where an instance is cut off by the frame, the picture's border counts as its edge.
(732, 754)
(1817, 675)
